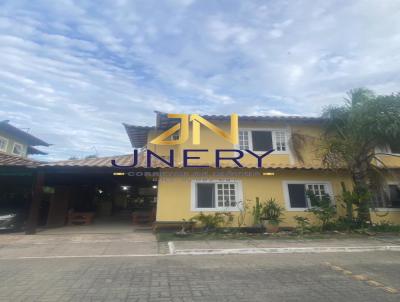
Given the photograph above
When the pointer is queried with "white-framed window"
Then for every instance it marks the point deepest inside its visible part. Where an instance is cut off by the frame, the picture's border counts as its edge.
(262, 140)
(280, 141)
(3, 144)
(244, 140)
(296, 193)
(18, 149)
(216, 195)
(319, 190)
(388, 196)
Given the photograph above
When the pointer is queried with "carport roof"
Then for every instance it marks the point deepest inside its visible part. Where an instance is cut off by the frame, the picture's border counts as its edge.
(7, 160)
(99, 162)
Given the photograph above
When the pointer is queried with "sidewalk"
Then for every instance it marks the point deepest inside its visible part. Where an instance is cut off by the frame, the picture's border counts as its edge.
(143, 244)
(375, 243)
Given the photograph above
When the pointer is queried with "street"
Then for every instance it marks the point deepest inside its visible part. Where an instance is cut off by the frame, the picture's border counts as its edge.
(266, 277)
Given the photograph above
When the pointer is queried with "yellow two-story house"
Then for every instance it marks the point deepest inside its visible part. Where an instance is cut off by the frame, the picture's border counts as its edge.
(198, 183)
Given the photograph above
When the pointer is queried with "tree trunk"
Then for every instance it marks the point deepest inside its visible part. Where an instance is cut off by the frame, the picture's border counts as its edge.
(349, 203)
(361, 188)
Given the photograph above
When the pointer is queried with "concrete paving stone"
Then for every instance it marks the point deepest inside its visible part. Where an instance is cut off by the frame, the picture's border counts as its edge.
(273, 277)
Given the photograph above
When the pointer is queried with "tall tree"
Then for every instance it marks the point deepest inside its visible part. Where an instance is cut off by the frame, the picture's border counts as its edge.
(354, 131)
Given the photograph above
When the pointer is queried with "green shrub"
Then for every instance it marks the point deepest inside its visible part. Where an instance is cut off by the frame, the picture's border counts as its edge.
(303, 223)
(354, 201)
(272, 212)
(212, 221)
(257, 212)
(385, 226)
(323, 209)
(344, 224)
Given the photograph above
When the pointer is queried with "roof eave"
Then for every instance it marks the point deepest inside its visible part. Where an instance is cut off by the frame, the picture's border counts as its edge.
(23, 135)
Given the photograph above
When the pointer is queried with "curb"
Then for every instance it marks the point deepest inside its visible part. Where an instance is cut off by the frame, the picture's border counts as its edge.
(171, 247)
(282, 250)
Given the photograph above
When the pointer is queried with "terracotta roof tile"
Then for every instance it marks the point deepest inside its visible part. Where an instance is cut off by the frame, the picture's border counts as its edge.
(7, 160)
(105, 162)
(100, 162)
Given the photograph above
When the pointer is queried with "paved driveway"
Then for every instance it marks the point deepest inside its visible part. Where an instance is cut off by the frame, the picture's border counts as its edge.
(289, 277)
(135, 267)
(19, 246)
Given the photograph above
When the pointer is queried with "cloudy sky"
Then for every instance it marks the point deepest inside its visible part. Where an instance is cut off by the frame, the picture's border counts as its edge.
(73, 71)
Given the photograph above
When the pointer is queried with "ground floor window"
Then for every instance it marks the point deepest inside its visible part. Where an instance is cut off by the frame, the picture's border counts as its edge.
(217, 195)
(388, 196)
(296, 193)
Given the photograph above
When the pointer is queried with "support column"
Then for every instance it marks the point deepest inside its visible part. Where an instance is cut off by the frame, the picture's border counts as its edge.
(37, 193)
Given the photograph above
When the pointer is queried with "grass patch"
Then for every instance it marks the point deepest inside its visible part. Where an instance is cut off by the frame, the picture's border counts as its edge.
(385, 226)
(171, 236)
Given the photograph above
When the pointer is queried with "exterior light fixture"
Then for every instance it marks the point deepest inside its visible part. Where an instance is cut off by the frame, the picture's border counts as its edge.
(124, 188)
(268, 174)
(154, 187)
(118, 173)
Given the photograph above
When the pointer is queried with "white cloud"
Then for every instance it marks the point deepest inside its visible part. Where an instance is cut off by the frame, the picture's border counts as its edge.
(72, 71)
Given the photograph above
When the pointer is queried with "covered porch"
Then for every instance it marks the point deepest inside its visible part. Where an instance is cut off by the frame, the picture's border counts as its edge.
(92, 197)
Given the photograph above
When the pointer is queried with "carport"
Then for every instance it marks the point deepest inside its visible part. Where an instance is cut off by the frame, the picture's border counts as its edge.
(16, 178)
(91, 195)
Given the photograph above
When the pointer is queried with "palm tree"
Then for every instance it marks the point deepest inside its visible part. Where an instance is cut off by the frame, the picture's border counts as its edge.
(354, 131)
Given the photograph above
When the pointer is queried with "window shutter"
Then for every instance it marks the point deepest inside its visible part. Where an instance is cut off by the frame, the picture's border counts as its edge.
(262, 140)
(297, 195)
(205, 195)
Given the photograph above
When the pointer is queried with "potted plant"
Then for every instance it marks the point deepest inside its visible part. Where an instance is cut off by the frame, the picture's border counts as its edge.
(271, 216)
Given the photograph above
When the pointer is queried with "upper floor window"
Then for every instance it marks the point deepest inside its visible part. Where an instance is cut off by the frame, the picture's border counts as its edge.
(244, 140)
(280, 140)
(263, 140)
(3, 144)
(17, 149)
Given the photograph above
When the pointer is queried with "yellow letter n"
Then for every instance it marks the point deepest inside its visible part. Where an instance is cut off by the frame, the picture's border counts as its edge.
(232, 137)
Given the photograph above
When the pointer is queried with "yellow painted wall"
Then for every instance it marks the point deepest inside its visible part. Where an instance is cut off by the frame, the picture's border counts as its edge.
(174, 192)
(211, 141)
(390, 161)
(392, 216)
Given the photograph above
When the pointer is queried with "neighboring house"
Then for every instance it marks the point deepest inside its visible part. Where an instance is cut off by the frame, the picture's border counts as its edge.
(291, 170)
(16, 142)
(17, 171)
